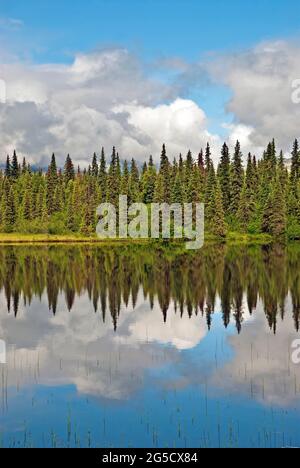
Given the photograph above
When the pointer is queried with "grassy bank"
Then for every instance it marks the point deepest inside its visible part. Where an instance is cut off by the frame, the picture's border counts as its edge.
(232, 238)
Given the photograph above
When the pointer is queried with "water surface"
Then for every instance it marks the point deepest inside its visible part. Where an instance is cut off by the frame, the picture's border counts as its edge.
(146, 347)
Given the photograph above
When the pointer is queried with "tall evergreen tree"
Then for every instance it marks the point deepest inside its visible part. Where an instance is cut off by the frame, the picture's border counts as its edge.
(209, 193)
(224, 178)
(295, 167)
(218, 225)
(52, 180)
(95, 168)
(102, 176)
(124, 188)
(8, 167)
(134, 188)
(177, 193)
(201, 161)
(15, 166)
(148, 183)
(69, 172)
(112, 187)
(164, 171)
(208, 160)
(278, 217)
(237, 179)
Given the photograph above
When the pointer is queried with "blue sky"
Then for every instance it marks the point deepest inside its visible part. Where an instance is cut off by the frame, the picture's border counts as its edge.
(186, 45)
(185, 28)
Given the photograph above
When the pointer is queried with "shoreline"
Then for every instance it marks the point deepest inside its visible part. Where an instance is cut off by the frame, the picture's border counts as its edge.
(232, 238)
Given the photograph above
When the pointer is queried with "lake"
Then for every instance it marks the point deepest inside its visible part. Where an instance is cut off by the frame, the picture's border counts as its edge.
(136, 346)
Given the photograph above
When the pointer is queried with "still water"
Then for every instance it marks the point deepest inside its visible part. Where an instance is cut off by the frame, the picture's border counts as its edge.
(149, 347)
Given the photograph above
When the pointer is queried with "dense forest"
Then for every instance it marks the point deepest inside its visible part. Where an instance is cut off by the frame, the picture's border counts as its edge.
(255, 196)
(236, 277)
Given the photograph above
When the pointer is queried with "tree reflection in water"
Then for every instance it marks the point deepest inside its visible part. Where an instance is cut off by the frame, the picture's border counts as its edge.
(191, 281)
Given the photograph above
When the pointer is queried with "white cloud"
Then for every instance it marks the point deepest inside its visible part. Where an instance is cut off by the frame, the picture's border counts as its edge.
(103, 98)
(262, 366)
(107, 98)
(78, 348)
(261, 84)
(180, 332)
(182, 125)
(96, 359)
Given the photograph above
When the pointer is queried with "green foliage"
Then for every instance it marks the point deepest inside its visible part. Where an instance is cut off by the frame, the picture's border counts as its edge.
(218, 225)
(263, 198)
(57, 224)
(237, 179)
(224, 178)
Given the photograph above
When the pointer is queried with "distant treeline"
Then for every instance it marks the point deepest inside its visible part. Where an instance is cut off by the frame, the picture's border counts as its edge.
(261, 196)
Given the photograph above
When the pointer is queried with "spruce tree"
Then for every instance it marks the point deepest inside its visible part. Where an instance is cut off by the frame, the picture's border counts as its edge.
(177, 193)
(88, 222)
(194, 186)
(69, 172)
(8, 209)
(15, 166)
(112, 187)
(217, 223)
(270, 157)
(71, 209)
(148, 183)
(295, 167)
(209, 193)
(27, 207)
(246, 208)
(274, 216)
(278, 217)
(95, 168)
(52, 180)
(208, 160)
(124, 187)
(224, 178)
(159, 189)
(237, 179)
(134, 187)
(8, 167)
(165, 173)
(201, 162)
(282, 172)
(102, 175)
(24, 166)
(144, 168)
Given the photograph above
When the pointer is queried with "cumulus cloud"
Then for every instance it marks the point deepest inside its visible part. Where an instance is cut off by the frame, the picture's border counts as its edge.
(97, 360)
(180, 332)
(109, 97)
(78, 348)
(261, 84)
(178, 124)
(102, 98)
(262, 366)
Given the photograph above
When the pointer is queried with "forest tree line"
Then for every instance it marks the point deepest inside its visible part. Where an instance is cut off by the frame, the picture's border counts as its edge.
(258, 196)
